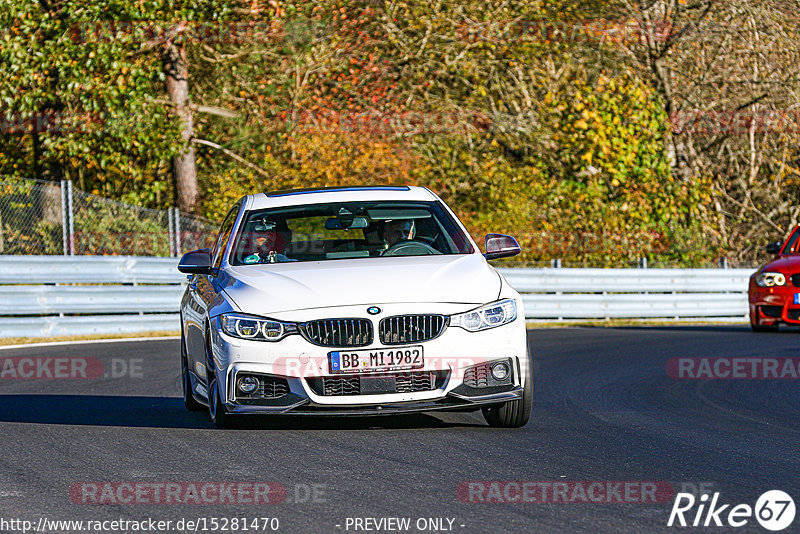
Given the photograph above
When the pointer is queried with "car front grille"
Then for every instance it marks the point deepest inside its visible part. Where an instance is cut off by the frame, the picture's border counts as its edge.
(796, 280)
(793, 315)
(408, 382)
(338, 332)
(403, 329)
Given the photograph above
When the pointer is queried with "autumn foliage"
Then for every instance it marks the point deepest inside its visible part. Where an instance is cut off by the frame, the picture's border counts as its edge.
(532, 118)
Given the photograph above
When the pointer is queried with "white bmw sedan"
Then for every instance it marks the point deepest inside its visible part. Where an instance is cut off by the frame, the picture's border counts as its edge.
(352, 301)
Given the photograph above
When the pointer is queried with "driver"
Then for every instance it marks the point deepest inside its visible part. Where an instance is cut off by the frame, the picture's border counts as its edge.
(400, 230)
(265, 239)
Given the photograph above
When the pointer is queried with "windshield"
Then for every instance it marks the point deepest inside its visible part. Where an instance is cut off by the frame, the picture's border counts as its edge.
(792, 245)
(347, 230)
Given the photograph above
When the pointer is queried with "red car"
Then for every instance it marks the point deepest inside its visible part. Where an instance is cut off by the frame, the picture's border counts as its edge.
(774, 292)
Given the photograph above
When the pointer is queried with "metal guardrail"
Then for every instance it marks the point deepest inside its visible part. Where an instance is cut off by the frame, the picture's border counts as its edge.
(632, 293)
(44, 296)
(628, 280)
(106, 295)
(86, 325)
(89, 270)
(30, 300)
(563, 294)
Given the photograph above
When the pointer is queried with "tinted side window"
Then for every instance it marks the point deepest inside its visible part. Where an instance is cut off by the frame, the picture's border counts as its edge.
(224, 234)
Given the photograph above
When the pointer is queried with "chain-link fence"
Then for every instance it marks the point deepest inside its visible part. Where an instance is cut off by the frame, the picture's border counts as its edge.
(38, 217)
(31, 218)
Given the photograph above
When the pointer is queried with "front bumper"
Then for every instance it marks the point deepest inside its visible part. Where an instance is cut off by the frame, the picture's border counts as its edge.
(298, 363)
(774, 304)
(297, 405)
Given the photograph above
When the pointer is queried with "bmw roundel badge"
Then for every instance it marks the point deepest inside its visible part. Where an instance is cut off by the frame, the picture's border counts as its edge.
(373, 310)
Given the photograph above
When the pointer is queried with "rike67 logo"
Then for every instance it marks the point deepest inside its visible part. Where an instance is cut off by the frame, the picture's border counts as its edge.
(774, 510)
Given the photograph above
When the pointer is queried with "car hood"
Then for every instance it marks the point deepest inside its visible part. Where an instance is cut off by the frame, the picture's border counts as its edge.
(787, 264)
(279, 287)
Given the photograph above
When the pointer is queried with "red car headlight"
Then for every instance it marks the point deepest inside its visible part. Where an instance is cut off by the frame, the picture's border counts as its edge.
(770, 279)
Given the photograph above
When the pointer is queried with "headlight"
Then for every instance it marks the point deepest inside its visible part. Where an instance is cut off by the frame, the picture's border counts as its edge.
(256, 328)
(770, 279)
(488, 316)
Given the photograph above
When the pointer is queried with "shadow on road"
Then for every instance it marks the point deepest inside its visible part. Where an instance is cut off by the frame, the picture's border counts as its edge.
(167, 412)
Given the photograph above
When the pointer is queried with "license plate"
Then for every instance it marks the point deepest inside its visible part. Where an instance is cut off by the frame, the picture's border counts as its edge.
(376, 360)
(797, 298)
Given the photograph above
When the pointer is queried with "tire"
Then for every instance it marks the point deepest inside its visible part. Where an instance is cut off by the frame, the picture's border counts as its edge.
(188, 399)
(513, 414)
(186, 381)
(757, 327)
(216, 409)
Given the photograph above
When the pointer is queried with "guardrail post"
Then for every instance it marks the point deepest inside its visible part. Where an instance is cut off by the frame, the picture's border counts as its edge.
(723, 263)
(71, 213)
(177, 213)
(67, 225)
(171, 231)
(64, 218)
(643, 263)
(555, 264)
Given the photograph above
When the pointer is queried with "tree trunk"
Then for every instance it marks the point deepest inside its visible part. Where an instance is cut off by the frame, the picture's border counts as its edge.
(184, 167)
(46, 196)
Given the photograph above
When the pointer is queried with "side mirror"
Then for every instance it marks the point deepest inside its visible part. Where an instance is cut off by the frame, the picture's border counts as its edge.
(501, 246)
(196, 262)
(774, 248)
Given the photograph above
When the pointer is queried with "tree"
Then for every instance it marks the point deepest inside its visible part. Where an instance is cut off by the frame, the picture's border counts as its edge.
(725, 73)
(184, 167)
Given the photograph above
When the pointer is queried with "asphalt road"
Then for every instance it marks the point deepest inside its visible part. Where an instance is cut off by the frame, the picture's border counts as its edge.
(605, 410)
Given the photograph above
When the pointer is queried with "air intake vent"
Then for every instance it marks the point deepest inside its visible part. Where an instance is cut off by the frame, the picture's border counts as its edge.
(338, 332)
(796, 280)
(477, 377)
(269, 387)
(412, 382)
(403, 329)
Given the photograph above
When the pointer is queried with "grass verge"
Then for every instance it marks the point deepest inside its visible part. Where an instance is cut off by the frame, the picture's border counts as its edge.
(30, 340)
